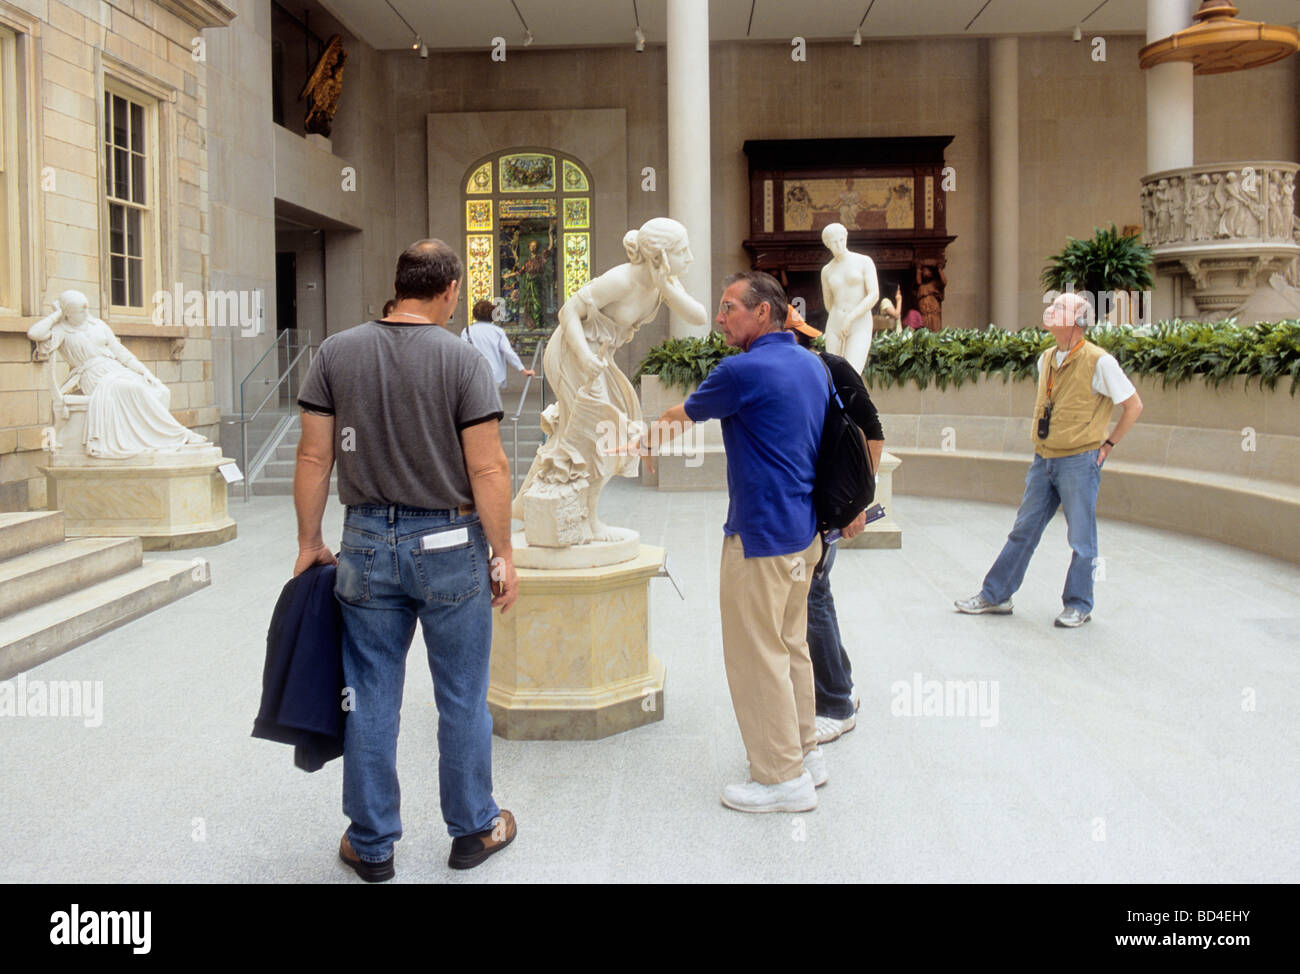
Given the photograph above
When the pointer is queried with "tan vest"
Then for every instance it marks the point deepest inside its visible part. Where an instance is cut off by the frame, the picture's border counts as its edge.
(1080, 417)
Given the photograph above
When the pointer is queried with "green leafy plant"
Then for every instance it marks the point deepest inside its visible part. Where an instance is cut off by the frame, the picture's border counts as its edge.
(1175, 351)
(1107, 262)
(684, 362)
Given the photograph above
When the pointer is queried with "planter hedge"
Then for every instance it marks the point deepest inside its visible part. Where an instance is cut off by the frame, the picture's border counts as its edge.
(1175, 351)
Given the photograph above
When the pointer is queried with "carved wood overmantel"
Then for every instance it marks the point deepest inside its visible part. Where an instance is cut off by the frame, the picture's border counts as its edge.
(888, 192)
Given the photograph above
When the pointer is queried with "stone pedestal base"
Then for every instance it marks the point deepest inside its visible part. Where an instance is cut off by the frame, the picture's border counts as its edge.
(884, 533)
(571, 659)
(168, 501)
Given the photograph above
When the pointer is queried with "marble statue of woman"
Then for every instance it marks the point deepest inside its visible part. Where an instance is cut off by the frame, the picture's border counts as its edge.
(595, 403)
(126, 408)
(849, 290)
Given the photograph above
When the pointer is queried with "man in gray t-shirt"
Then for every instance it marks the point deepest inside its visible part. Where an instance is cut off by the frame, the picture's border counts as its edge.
(411, 412)
(400, 393)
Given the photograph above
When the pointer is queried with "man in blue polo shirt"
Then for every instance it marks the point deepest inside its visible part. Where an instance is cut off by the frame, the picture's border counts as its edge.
(772, 402)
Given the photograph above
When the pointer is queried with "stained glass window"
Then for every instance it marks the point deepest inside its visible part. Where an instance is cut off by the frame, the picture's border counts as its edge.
(521, 208)
(577, 262)
(575, 180)
(480, 180)
(482, 276)
(478, 215)
(527, 172)
(577, 214)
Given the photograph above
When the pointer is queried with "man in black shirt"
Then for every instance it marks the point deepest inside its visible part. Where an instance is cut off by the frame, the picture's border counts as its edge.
(837, 701)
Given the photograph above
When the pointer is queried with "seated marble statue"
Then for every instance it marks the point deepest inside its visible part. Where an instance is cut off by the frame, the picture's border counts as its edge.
(595, 403)
(126, 404)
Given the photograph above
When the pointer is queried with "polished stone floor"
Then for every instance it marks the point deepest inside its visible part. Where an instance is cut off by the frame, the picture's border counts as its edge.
(1159, 743)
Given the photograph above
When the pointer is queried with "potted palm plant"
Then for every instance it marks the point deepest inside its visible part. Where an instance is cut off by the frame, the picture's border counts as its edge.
(1110, 262)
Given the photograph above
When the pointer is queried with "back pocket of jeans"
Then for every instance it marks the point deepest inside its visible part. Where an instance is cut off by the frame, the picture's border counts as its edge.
(448, 574)
(352, 579)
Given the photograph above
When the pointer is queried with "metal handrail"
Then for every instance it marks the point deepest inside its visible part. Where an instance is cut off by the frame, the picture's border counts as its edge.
(538, 360)
(285, 376)
(282, 336)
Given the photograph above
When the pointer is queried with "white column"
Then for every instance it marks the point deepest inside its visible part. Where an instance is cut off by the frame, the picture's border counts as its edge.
(689, 165)
(1170, 127)
(1004, 168)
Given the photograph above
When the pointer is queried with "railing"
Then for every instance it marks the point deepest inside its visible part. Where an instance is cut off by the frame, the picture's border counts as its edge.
(537, 366)
(282, 392)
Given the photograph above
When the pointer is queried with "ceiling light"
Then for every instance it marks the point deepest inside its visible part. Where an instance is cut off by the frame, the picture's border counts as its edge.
(528, 38)
(1078, 33)
(857, 38)
(424, 50)
(640, 39)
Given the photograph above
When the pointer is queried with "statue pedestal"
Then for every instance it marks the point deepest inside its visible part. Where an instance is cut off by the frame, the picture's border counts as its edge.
(571, 658)
(884, 533)
(172, 500)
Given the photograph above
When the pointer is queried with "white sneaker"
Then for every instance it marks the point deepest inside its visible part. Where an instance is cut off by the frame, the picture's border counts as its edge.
(814, 762)
(856, 698)
(829, 729)
(796, 795)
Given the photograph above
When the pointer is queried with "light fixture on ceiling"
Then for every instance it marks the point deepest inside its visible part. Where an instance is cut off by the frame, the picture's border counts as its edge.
(640, 40)
(857, 34)
(1078, 33)
(528, 34)
(416, 43)
(424, 51)
(1218, 42)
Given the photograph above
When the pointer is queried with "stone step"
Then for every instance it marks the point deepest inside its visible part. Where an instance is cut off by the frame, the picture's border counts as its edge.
(57, 569)
(43, 632)
(26, 531)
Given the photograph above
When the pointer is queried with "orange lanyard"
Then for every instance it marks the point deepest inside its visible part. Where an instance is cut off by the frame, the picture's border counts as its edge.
(1052, 372)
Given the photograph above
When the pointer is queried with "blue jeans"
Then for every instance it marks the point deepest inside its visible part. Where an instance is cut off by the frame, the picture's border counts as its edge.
(832, 672)
(398, 565)
(1069, 483)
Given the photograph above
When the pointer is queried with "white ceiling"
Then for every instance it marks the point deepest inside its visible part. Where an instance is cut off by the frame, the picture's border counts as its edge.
(454, 24)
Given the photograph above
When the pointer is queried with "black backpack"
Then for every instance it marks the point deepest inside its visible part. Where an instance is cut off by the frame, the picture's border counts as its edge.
(844, 484)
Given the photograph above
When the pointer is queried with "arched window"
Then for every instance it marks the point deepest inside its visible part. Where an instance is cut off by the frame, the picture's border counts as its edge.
(528, 222)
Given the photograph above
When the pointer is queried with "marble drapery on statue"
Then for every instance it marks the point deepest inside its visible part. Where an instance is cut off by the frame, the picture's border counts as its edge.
(126, 404)
(596, 407)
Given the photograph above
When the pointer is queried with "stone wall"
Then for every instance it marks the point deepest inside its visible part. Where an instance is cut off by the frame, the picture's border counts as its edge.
(68, 48)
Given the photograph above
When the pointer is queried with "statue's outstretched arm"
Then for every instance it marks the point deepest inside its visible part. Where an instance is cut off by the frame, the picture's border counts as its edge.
(43, 329)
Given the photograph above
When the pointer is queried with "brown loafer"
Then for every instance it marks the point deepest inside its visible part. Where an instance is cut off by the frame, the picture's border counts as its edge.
(467, 851)
(371, 872)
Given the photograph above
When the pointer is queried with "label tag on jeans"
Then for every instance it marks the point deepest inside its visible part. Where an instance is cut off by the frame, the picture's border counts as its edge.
(445, 539)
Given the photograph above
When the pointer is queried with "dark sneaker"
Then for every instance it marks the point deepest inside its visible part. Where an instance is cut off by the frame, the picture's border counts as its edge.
(978, 605)
(371, 872)
(467, 851)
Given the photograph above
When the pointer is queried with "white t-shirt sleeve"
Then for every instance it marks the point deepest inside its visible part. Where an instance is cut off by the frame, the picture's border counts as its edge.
(1109, 380)
(507, 352)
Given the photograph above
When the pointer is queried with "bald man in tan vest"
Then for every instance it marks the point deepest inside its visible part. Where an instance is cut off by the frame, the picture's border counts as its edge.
(1078, 385)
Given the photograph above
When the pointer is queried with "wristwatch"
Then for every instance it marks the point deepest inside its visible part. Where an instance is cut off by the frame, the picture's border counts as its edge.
(1110, 443)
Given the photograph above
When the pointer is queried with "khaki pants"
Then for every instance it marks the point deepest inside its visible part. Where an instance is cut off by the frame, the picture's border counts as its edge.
(764, 605)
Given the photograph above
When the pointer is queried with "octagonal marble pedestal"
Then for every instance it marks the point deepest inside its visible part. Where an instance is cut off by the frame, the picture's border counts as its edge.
(571, 658)
(168, 501)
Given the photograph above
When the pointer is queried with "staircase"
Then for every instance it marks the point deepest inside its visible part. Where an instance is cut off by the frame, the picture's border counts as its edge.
(56, 593)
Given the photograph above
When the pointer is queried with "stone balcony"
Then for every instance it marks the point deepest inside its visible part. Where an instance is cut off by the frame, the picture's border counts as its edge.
(1226, 233)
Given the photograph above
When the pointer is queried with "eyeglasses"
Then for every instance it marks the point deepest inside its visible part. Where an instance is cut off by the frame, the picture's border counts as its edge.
(725, 308)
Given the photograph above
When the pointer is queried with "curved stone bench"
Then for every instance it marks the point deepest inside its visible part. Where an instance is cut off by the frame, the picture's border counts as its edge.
(974, 443)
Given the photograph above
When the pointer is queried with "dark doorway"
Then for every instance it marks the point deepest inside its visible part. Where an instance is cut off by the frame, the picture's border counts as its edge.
(286, 290)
